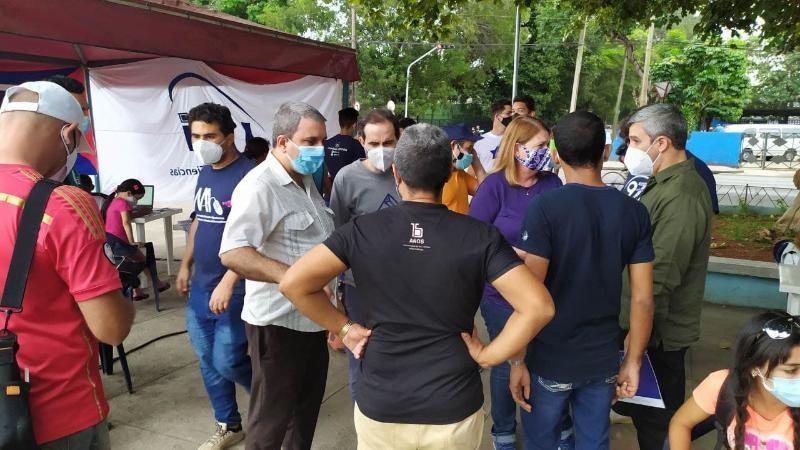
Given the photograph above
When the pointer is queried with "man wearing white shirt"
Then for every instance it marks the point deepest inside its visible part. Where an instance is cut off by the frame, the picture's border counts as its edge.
(276, 216)
(487, 147)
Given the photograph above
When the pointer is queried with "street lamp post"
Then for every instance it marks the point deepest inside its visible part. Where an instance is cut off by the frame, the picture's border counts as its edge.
(438, 46)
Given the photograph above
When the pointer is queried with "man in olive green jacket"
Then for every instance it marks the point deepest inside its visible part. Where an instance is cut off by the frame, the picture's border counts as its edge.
(680, 209)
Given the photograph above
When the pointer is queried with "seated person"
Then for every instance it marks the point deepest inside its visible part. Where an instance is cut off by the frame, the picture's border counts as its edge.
(116, 212)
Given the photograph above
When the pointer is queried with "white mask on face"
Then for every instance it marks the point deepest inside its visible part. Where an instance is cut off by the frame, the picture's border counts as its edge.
(638, 161)
(381, 157)
(72, 157)
(207, 152)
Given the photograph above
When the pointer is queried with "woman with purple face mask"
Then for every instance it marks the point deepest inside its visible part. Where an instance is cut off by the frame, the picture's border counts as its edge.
(518, 176)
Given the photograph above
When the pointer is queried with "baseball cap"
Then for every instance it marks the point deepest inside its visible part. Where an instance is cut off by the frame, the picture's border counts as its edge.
(54, 101)
(460, 132)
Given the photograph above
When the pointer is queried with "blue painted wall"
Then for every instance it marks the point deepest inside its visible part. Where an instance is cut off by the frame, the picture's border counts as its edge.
(740, 290)
(716, 148)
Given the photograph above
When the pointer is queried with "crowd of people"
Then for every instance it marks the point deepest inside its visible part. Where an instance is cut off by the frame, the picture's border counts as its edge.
(387, 239)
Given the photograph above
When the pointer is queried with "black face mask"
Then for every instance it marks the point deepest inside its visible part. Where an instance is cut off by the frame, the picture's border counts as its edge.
(507, 120)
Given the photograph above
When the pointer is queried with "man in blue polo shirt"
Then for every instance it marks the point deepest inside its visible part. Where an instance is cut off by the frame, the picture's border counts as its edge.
(216, 295)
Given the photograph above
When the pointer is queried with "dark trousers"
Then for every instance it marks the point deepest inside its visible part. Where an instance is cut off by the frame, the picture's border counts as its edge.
(652, 424)
(290, 369)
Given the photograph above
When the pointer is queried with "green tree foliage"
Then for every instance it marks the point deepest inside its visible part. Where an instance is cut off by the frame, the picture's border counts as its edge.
(778, 79)
(778, 20)
(544, 64)
(465, 79)
(707, 81)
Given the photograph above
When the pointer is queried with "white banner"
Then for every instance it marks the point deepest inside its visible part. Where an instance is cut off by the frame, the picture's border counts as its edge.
(140, 110)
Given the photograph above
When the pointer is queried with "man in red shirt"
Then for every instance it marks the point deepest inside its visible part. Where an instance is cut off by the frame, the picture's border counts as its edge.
(73, 293)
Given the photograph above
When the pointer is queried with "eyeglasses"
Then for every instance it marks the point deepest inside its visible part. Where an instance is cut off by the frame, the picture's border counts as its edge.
(780, 328)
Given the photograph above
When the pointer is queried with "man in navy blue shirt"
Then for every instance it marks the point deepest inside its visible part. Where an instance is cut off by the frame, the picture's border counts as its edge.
(216, 295)
(342, 149)
(579, 239)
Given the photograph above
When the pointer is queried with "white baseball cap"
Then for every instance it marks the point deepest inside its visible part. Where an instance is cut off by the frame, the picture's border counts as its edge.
(54, 101)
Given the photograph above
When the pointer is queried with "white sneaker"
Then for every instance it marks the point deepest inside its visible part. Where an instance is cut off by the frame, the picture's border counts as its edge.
(222, 438)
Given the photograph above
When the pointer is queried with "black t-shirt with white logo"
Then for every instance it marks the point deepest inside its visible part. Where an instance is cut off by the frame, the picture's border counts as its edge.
(341, 151)
(420, 271)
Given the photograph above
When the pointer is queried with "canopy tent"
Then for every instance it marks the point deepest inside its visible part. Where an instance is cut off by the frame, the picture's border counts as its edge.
(170, 54)
(94, 33)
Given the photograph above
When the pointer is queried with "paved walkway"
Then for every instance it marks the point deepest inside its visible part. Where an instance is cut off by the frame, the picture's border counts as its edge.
(169, 409)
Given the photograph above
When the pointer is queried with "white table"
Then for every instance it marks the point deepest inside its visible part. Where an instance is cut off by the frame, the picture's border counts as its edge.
(162, 213)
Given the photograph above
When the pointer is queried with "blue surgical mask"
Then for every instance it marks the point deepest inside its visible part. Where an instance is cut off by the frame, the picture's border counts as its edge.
(309, 159)
(464, 160)
(787, 390)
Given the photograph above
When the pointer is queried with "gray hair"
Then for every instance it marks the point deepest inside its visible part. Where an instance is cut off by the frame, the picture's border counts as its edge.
(662, 119)
(423, 158)
(287, 119)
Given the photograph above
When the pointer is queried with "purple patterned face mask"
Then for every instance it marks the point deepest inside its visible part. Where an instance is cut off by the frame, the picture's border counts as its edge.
(535, 159)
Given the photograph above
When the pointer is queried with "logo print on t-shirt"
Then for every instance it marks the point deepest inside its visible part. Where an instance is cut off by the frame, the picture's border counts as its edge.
(494, 152)
(417, 241)
(634, 186)
(416, 231)
(208, 208)
(388, 202)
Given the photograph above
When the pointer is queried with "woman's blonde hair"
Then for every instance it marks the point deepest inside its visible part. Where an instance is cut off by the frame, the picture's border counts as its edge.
(519, 131)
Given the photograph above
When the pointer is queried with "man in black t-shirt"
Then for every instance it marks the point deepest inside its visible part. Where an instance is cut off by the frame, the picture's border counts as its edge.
(342, 149)
(420, 271)
(579, 239)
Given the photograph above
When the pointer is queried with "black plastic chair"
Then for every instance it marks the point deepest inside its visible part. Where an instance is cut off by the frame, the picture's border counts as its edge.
(129, 277)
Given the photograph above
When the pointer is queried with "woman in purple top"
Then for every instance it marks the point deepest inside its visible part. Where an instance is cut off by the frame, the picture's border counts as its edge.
(502, 199)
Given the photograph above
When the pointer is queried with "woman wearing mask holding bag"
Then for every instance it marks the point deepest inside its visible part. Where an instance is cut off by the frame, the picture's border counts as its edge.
(518, 176)
(117, 213)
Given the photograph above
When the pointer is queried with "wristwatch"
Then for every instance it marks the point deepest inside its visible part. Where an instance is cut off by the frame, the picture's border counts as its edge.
(345, 329)
(516, 362)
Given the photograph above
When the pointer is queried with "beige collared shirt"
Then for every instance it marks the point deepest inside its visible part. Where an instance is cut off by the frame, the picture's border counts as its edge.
(280, 220)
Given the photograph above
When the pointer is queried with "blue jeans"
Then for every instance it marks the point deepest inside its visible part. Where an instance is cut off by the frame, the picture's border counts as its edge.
(590, 402)
(221, 347)
(351, 307)
(504, 410)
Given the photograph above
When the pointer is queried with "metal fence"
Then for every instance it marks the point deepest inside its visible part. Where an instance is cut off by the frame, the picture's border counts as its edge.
(756, 198)
(771, 149)
(747, 198)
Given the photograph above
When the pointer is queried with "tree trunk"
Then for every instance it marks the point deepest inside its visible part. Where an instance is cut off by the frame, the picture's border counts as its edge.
(629, 53)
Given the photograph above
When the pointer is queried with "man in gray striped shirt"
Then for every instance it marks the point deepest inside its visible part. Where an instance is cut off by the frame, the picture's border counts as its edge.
(276, 216)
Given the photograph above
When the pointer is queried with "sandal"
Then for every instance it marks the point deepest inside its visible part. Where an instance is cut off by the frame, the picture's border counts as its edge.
(164, 287)
(140, 297)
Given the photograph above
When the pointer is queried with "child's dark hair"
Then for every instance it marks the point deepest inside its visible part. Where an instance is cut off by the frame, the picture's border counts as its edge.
(132, 185)
(753, 350)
